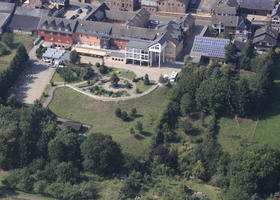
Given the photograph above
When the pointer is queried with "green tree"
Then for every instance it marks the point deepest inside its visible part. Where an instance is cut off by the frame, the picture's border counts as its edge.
(66, 172)
(139, 126)
(118, 112)
(114, 80)
(132, 185)
(187, 104)
(199, 171)
(132, 132)
(133, 113)
(230, 53)
(101, 154)
(21, 54)
(124, 116)
(243, 97)
(8, 39)
(247, 53)
(162, 80)
(146, 80)
(12, 101)
(74, 57)
(253, 170)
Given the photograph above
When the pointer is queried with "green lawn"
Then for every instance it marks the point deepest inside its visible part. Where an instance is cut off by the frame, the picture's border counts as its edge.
(101, 116)
(57, 78)
(26, 40)
(5, 60)
(124, 73)
(142, 87)
(210, 191)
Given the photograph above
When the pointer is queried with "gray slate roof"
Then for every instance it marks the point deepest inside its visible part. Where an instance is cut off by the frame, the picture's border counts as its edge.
(31, 12)
(267, 30)
(7, 7)
(267, 5)
(19, 23)
(3, 19)
(57, 24)
(139, 17)
(266, 34)
(226, 6)
(119, 15)
(228, 21)
(116, 30)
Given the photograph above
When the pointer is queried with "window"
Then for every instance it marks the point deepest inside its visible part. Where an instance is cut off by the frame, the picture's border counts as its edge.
(89, 43)
(82, 41)
(51, 38)
(58, 34)
(95, 43)
(51, 33)
(59, 40)
(67, 41)
(120, 47)
(42, 32)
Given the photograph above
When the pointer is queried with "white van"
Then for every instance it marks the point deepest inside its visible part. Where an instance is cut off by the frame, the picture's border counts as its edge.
(173, 77)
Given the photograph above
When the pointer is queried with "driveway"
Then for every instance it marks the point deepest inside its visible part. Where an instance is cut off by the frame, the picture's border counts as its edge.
(33, 81)
(153, 72)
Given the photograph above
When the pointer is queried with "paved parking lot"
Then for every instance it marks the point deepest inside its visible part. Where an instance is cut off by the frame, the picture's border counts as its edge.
(153, 72)
(33, 81)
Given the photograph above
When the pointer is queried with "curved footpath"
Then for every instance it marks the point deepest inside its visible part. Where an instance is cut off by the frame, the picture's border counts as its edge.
(101, 98)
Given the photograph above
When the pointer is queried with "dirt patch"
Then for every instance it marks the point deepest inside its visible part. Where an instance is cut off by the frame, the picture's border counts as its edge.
(243, 120)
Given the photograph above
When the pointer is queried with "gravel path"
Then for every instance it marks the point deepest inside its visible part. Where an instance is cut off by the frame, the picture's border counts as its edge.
(101, 98)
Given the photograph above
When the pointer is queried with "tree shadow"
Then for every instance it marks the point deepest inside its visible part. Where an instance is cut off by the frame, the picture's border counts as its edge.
(138, 137)
(146, 133)
(194, 132)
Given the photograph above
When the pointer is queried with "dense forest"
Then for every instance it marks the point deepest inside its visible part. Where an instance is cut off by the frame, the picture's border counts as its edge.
(44, 158)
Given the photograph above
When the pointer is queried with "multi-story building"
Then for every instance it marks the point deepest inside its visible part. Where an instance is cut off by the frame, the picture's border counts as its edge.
(58, 31)
(172, 6)
(121, 36)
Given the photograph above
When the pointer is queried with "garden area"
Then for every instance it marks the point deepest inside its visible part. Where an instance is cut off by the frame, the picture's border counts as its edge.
(114, 82)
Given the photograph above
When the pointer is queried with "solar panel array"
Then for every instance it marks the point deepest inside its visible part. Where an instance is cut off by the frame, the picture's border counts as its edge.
(211, 47)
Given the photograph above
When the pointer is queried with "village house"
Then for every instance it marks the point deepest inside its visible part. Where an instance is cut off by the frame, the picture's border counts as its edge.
(265, 38)
(256, 7)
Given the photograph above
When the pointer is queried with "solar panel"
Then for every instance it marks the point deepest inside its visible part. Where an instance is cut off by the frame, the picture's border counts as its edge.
(212, 47)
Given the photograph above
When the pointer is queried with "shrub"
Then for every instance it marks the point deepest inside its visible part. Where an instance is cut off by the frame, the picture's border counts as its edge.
(133, 112)
(124, 116)
(118, 112)
(146, 80)
(103, 69)
(97, 64)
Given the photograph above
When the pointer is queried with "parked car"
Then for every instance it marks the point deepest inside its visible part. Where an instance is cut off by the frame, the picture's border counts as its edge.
(80, 10)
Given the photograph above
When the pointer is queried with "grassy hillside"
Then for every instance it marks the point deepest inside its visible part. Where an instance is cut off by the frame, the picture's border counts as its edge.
(101, 116)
